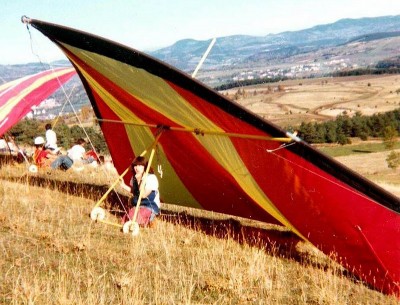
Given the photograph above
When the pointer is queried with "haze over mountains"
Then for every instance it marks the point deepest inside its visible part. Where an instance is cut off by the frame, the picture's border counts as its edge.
(244, 49)
(320, 50)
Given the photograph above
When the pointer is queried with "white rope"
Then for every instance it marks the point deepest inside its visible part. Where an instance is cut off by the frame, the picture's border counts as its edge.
(285, 145)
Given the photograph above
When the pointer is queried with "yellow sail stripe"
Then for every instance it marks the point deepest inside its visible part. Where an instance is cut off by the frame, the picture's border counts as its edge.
(158, 95)
(14, 82)
(12, 102)
(139, 139)
(11, 83)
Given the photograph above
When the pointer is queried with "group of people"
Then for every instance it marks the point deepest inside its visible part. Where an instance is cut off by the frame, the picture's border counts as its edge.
(47, 153)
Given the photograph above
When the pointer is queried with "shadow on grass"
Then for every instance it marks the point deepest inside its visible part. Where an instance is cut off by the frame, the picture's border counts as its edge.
(90, 191)
(7, 158)
(281, 243)
(364, 151)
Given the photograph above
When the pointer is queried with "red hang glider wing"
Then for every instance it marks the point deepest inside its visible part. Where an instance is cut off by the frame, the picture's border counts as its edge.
(19, 96)
(318, 198)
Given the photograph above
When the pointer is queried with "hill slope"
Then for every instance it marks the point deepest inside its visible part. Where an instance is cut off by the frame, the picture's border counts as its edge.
(52, 253)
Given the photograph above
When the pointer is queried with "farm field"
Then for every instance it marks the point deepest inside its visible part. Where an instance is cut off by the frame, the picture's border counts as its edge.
(370, 164)
(288, 103)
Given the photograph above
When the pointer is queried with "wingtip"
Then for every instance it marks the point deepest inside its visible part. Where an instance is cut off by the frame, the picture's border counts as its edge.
(25, 19)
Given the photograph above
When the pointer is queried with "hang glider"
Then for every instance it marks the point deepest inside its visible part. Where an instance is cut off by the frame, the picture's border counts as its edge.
(218, 156)
(19, 96)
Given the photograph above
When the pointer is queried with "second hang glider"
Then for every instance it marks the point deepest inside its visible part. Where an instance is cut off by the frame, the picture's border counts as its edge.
(19, 96)
(231, 162)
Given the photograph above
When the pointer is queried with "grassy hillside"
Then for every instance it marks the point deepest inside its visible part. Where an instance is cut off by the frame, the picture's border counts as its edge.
(367, 158)
(52, 253)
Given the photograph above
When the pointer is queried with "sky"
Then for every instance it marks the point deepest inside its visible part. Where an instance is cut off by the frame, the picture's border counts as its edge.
(147, 25)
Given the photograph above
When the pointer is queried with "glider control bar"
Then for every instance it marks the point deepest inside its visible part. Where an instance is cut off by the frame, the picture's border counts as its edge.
(203, 132)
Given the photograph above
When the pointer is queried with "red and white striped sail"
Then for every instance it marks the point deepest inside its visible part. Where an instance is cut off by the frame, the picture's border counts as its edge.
(19, 96)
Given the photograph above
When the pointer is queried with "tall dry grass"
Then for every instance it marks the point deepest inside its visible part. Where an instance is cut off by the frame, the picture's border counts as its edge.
(51, 253)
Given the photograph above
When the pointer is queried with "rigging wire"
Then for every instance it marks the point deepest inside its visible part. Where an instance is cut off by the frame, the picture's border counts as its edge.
(62, 108)
(68, 100)
(315, 173)
(31, 40)
(3, 80)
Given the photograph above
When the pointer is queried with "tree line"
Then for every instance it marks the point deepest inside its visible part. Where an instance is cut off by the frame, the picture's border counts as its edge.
(345, 127)
(378, 70)
(389, 66)
(250, 82)
(340, 130)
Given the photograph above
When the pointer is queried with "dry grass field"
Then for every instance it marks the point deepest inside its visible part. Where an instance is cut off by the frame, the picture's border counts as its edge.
(52, 253)
(374, 167)
(321, 99)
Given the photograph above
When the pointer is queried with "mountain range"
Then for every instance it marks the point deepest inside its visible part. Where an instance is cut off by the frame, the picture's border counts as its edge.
(244, 50)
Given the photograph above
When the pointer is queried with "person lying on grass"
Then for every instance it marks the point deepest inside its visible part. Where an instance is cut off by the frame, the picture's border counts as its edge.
(75, 155)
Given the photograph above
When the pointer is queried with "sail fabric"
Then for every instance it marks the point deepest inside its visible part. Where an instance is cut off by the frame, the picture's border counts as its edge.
(212, 168)
(17, 97)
